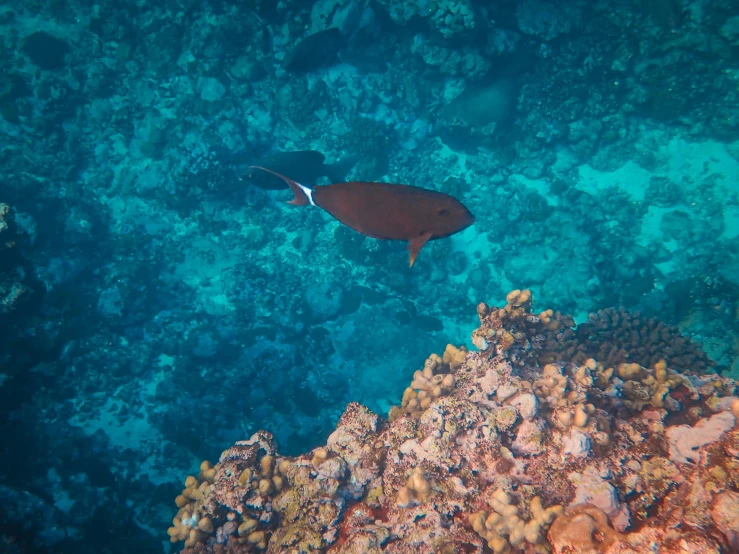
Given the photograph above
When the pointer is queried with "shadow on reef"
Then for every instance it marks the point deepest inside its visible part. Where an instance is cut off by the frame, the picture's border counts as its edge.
(526, 443)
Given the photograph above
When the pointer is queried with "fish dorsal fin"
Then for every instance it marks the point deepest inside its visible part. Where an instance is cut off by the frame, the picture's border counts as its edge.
(415, 245)
(303, 195)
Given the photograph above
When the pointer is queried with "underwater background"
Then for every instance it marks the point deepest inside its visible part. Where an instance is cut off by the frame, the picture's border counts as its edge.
(156, 305)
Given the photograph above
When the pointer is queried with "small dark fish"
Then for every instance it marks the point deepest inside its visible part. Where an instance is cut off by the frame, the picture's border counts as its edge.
(387, 211)
(307, 165)
(366, 56)
(480, 105)
(668, 14)
(315, 51)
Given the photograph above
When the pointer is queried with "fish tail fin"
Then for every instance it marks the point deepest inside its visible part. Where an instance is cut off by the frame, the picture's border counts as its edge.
(302, 194)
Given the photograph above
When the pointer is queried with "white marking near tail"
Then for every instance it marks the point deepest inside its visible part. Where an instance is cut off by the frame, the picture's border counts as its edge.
(308, 192)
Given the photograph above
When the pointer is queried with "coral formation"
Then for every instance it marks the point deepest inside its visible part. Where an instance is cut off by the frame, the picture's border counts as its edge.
(494, 450)
(434, 380)
(616, 336)
(597, 141)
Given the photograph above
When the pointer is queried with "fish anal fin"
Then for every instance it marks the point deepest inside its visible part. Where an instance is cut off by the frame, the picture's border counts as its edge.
(415, 245)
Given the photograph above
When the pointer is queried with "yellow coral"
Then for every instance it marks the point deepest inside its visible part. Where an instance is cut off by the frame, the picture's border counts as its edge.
(206, 525)
(247, 527)
(258, 539)
(429, 383)
(278, 481)
(245, 477)
(189, 524)
(266, 487)
(283, 466)
(320, 455)
(518, 298)
(504, 527)
(207, 472)
(192, 525)
(454, 357)
(546, 317)
(417, 489)
(581, 417)
(632, 372)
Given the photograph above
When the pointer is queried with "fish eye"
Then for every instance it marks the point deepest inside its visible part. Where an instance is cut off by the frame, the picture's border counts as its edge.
(443, 211)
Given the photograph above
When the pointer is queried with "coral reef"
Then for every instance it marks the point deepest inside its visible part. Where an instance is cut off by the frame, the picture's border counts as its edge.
(616, 336)
(436, 379)
(153, 294)
(494, 451)
(448, 17)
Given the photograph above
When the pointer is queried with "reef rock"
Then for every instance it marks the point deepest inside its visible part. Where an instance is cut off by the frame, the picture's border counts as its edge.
(493, 450)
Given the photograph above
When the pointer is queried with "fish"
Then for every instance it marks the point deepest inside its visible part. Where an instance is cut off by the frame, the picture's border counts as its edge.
(386, 211)
(668, 14)
(307, 165)
(315, 51)
(480, 105)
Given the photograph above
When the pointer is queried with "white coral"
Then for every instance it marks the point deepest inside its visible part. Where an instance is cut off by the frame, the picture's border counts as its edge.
(686, 440)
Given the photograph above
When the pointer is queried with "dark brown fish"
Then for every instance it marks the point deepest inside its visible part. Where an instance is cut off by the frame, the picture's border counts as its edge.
(387, 211)
(315, 51)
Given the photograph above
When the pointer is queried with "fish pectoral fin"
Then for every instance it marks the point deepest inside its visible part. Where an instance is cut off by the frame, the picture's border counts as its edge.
(415, 245)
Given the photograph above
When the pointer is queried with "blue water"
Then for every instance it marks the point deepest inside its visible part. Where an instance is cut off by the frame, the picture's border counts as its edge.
(155, 306)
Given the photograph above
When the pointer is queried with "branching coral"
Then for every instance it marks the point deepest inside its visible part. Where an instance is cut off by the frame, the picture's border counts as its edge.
(433, 381)
(502, 453)
(503, 528)
(614, 336)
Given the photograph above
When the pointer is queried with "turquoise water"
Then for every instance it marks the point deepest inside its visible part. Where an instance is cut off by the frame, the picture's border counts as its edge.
(157, 306)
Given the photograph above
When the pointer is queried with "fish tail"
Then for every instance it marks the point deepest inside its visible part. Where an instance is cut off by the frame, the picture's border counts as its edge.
(303, 195)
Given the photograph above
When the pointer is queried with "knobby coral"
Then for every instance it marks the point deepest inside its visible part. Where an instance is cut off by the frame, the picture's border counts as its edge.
(493, 451)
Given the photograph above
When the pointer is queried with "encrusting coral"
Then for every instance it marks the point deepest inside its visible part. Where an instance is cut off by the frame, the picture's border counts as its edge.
(498, 450)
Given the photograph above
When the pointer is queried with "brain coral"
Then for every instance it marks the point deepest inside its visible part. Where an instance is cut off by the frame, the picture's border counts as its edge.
(493, 451)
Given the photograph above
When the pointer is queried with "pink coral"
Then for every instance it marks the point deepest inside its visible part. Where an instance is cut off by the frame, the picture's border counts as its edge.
(725, 515)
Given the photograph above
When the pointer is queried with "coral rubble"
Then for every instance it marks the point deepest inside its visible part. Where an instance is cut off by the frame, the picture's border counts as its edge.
(494, 451)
